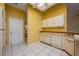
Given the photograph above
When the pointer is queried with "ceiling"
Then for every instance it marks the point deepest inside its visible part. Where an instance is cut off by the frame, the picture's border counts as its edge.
(42, 6)
(21, 6)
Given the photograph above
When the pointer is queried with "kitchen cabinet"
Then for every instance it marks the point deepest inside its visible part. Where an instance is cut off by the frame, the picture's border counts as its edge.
(56, 40)
(42, 37)
(53, 39)
(77, 47)
(50, 22)
(56, 21)
(47, 38)
(63, 41)
(69, 45)
(59, 21)
(44, 23)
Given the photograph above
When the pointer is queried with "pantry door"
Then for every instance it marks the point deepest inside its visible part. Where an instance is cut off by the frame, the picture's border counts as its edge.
(16, 30)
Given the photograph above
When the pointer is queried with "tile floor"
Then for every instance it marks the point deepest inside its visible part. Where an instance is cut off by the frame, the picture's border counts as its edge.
(34, 49)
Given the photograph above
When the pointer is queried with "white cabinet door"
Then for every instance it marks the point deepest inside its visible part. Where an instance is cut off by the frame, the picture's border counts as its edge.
(69, 45)
(57, 40)
(42, 37)
(52, 39)
(59, 20)
(50, 22)
(44, 23)
(1, 37)
(77, 47)
(47, 38)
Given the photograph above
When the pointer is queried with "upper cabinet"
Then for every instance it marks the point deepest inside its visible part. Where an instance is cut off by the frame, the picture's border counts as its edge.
(59, 21)
(56, 21)
(50, 22)
(44, 23)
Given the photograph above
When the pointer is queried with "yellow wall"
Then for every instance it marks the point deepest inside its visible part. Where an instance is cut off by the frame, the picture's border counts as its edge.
(2, 5)
(56, 10)
(34, 18)
(11, 11)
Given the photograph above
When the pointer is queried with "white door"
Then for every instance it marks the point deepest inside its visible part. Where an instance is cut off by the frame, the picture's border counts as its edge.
(15, 30)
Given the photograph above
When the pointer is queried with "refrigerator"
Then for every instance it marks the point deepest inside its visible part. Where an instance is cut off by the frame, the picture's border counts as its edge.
(1, 29)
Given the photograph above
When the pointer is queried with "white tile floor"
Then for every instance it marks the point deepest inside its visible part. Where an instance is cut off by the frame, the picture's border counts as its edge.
(35, 49)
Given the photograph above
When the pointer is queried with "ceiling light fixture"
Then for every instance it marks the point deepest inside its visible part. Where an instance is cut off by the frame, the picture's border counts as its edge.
(41, 4)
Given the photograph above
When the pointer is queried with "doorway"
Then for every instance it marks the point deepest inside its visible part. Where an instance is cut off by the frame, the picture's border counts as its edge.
(16, 30)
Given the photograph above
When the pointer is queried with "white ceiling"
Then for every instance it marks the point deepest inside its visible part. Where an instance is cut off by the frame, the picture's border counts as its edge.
(43, 6)
(21, 6)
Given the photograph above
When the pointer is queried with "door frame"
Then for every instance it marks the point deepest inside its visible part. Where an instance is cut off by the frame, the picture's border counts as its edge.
(9, 28)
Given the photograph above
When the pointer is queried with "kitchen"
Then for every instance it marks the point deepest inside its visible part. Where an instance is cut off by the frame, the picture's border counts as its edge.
(53, 24)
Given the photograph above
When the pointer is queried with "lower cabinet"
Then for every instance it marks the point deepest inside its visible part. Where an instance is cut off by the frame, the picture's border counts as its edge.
(77, 47)
(42, 37)
(69, 45)
(60, 41)
(47, 38)
(56, 40)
